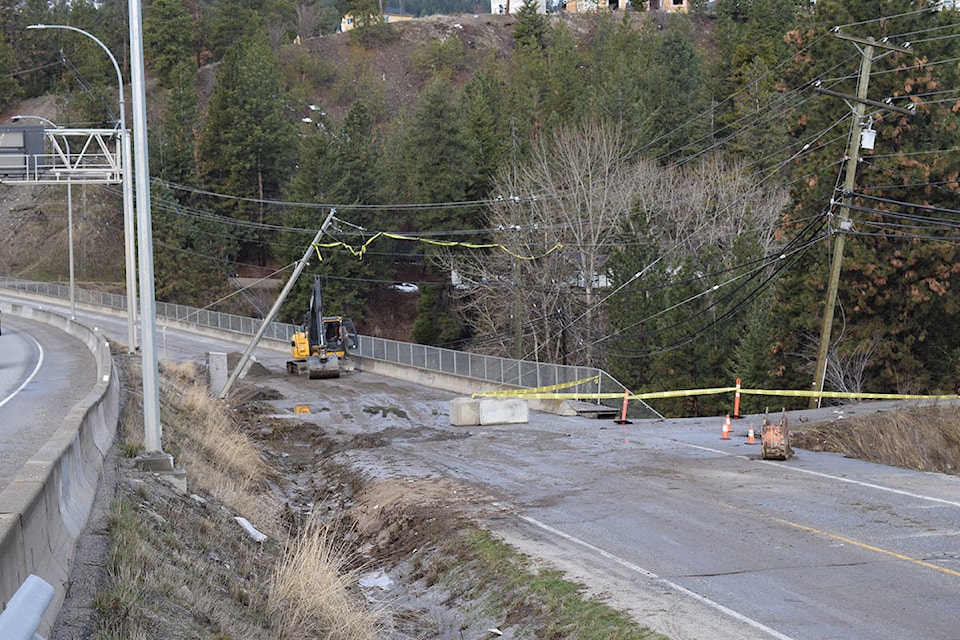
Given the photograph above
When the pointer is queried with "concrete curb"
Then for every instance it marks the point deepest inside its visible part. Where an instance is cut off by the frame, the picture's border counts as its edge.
(43, 510)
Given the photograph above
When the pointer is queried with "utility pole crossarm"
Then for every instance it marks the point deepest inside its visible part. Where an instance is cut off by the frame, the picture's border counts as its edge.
(866, 101)
(879, 44)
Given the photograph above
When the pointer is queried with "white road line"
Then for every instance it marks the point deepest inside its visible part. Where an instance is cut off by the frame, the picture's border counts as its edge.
(32, 375)
(649, 574)
(861, 483)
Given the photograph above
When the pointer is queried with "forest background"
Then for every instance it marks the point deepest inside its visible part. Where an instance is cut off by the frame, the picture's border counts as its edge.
(653, 194)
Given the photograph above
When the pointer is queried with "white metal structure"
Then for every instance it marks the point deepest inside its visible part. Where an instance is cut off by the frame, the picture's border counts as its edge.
(92, 157)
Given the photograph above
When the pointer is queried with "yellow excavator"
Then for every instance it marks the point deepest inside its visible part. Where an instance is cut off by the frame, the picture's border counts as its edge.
(321, 345)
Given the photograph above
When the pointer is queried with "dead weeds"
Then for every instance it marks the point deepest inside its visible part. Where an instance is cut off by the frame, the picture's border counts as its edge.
(181, 566)
(923, 439)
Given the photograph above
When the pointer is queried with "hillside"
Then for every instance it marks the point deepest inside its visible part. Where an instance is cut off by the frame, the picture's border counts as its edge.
(388, 67)
(392, 65)
(395, 62)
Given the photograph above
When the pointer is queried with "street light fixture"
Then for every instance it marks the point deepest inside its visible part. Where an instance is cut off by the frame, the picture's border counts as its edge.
(73, 304)
(127, 184)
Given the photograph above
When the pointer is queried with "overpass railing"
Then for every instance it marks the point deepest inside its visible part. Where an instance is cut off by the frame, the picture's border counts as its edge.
(491, 369)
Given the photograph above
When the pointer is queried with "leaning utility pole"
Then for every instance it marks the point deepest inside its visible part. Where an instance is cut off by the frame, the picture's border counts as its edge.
(276, 307)
(853, 158)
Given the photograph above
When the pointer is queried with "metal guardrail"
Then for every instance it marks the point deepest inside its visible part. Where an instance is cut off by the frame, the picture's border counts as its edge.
(22, 617)
(491, 369)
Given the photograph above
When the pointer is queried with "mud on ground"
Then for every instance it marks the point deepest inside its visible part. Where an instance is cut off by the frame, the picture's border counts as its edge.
(399, 522)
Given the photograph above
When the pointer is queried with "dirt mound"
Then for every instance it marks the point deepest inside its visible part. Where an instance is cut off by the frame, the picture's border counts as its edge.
(399, 516)
(254, 370)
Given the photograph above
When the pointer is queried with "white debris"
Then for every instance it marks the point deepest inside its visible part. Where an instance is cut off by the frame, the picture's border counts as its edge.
(250, 529)
(377, 578)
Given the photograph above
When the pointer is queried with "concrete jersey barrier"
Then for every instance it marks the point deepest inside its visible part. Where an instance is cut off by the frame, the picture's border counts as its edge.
(44, 509)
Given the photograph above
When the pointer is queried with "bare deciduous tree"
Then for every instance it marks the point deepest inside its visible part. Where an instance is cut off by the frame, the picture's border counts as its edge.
(577, 190)
(582, 189)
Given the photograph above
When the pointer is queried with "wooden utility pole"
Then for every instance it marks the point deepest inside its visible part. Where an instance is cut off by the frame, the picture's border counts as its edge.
(853, 158)
(238, 371)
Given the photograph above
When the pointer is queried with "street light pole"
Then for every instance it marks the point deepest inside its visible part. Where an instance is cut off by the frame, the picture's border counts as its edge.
(152, 429)
(73, 297)
(128, 215)
(155, 459)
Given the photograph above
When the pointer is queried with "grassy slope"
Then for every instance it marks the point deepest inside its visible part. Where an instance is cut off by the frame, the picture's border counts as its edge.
(181, 567)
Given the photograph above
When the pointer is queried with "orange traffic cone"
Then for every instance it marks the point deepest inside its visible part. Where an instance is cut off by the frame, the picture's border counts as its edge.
(725, 434)
(750, 438)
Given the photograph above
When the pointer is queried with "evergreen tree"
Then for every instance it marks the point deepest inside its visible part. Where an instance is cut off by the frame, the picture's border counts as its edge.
(532, 26)
(169, 38)
(695, 265)
(895, 280)
(226, 22)
(485, 126)
(677, 88)
(248, 144)
(612, 77)
(174, 151)
(189, 268)
(437, 165)
(10, 89)
(339, 167)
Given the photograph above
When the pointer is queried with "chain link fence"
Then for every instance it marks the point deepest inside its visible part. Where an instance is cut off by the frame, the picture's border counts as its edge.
(506, 371)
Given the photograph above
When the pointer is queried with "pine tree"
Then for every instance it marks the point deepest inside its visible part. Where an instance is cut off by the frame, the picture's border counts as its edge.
(169, 38)
(531, 28)
(897, 281)
(340, 167)
(248, 143)
(677, 88)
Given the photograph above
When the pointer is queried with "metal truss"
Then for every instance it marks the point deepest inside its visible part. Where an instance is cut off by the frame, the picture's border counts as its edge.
(78, 156)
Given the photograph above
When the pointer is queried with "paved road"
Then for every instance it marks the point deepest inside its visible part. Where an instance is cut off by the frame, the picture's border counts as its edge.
(695, 536)
(43, 374)
(56, 371)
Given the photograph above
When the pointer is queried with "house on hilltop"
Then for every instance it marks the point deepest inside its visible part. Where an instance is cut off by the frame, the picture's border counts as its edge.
(512, 6)
(587, 6)
(389, 15)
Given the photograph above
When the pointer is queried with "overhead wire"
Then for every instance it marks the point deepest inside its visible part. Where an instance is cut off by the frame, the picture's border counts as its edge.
(806, 238)
(887, 18)
(399, 207)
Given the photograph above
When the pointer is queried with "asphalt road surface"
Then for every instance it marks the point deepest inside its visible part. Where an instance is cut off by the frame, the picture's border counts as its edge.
(695, 536)
(43, 373)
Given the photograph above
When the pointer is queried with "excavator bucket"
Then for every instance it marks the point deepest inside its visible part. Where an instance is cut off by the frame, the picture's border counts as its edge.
(775, 439)
(328, 367)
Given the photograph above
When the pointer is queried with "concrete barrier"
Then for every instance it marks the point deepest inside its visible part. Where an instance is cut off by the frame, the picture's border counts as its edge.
(465, 412)
(470, 412)
(25, 612)
(44, 509)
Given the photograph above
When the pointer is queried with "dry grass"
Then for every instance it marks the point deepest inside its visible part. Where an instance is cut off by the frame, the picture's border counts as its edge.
(311, 593)
(925, 439)
(180, 568)
(206, 439)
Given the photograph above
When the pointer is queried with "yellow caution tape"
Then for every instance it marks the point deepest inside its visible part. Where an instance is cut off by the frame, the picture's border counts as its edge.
(539, 394)
(652, 395)
(358, 252)
(843, 394)
(525, 393)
